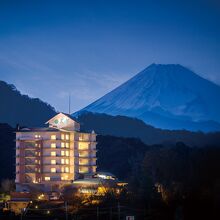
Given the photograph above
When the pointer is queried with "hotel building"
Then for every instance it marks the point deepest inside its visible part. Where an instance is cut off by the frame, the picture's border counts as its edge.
(54, 155)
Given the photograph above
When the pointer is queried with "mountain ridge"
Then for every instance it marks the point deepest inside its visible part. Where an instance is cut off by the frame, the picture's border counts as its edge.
(123, 126)
(171, 92)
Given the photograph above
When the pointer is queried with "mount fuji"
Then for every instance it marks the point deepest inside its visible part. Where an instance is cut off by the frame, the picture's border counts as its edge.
(165, 96)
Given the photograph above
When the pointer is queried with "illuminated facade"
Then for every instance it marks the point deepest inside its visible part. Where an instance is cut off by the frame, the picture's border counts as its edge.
(57, 154)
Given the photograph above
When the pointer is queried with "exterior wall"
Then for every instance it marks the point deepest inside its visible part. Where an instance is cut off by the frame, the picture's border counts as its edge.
(54, 157)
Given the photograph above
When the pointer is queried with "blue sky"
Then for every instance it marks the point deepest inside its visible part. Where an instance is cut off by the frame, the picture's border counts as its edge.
(49, 49)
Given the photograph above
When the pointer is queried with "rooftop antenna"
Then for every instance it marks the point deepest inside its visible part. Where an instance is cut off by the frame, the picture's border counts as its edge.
(69, 102)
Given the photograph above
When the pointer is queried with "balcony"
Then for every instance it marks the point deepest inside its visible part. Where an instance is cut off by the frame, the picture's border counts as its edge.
(30, 170)
(29, 138)
(87, 164)
(86, 156)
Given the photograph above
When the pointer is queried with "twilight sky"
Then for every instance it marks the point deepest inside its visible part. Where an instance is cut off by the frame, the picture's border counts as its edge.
(49, 49)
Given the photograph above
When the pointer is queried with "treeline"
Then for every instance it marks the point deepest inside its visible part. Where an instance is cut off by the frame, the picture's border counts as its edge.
(122, 126)
(175, 182)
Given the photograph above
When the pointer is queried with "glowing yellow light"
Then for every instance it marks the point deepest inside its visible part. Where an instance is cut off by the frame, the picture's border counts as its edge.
(36, 207)
(41, 196)
(48, 211)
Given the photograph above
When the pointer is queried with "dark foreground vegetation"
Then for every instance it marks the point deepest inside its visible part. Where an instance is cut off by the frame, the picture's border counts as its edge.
(169, 182)
(174, 182)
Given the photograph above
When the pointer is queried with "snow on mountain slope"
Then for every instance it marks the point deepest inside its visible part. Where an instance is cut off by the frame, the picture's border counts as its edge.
(165, 96)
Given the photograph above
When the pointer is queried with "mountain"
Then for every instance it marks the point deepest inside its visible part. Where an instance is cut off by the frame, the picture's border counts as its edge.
(165, 96)
(122, 126)
(17, 108)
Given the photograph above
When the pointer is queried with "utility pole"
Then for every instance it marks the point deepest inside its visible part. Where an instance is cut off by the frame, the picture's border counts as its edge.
(69, 103)
(97, 213)
(110, 213)
(21, 214)
(66, 210)
(119, 211)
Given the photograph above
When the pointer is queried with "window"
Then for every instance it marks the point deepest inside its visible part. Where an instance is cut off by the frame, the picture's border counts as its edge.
(47, 178)
(53, 137)
(67, 145)
(83, 170)
(67, 161)
(62, 144)
(67, 153)
(53, 170)
(62, 161)
(84, 137)
(62, 169)
(83, 146)
(83, 161)
(62, 136)
(53, 145)
(62, 153)
(53, 161)
(64, 177)
(84, 154)
(67, 170)
(67, 137)
(53, 153)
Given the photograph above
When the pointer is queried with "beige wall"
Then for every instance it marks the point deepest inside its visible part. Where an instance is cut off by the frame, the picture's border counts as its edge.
(70, 142)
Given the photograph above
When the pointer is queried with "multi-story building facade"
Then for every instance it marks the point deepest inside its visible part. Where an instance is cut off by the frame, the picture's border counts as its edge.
(57, 154)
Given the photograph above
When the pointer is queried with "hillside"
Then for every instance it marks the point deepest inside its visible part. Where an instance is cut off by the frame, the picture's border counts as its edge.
(17, 108)
(123, 126)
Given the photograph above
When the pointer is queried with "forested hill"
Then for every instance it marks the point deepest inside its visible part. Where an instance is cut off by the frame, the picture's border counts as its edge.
(17, 108)
(122, 126)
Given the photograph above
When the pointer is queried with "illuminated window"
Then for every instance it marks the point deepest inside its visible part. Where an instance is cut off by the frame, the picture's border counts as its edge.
(53, 137)
(84, 154)
(53, 153)
(94, 169)
(84, 137)
(67, 145)
(53, 170)
(47, 178)
(83, 170)
(67, 153)
(62, 153)
(64, 177)
(83, 146)
(67, 161)
(67, 137)
(67, 170)
(62, 161)
(62, 144)
(62, 136)
(83, 161)
(53, 145)
(62, 169)
(53, 161)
